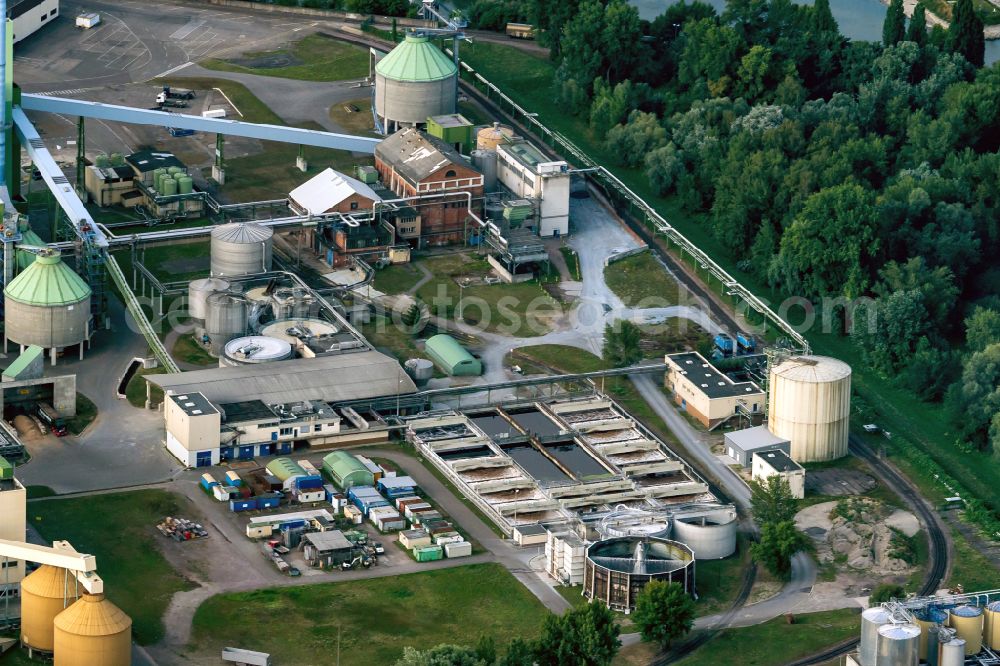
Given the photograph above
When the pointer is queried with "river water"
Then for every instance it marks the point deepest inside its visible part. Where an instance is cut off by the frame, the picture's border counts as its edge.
(858, 19)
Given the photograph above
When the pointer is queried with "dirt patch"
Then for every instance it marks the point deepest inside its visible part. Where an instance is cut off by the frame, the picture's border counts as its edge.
(839, 482)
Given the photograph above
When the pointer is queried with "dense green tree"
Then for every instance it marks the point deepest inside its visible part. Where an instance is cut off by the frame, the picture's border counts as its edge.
(710, 51)
(441, 655)
(900, 322)
(975, 399)
(664, 612)
(965, 34)
(884, 592)
(585, 636)
(916, 32)
(519, 653)
(821, 18)
(982, 329)
(930, 371)
(777, 544)
(621, 343)
(637, 138)
(894, 26)
(825, 250)
(936, 286)
(486, 650)
(771, 500)
(550, 17)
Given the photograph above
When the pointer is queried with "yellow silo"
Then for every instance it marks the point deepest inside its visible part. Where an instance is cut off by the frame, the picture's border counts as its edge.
(44, 594)
(991, 629)
(925, 619)
(93, 632)
(967, 621)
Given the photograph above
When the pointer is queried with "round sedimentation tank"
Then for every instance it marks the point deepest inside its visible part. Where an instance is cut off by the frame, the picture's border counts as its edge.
(616, 570)
(47, 305)
(414, 81)
(898, 645)
(420, 369)
(489, 138)
(991, 625)
(810, 405)
(871, 620)
(295, 331)
(93, 632)
(241, 248)
(927, 619)
(967, 621)
(951, 653)
(45, 593)
(225, 319)
(254, 349)
(198, 293)
(625, 521)
(711, 536)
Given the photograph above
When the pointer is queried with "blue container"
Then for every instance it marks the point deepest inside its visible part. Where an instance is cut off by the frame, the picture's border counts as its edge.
(745, 342)
(207, 482)
(292, 524)
(309, 482)
(242, 505)
(724, 343)
(268, 501)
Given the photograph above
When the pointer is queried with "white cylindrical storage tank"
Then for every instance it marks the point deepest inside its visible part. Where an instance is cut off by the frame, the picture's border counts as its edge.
(898, 645)
(414, 81)
(420, 369)
(198, 293)
(967, 621)
(871, 620)
(951, 653)
(711, 536)
(486, 162)
(241, 248)
(809, 404)
(47, 304)
(254, 349)
(225, 319)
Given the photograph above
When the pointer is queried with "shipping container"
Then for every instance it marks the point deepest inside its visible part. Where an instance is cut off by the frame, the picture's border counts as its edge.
(259, 531)
(410, 508)
(222, 493)
(391, 524)
(208, 482)
(442, 539)
(428, 553)
(458, 549)
(401, 502)
(309, 482)
(309, 468)
(233, 479)
(309, 495)
(353, 514)
(242, 505)
(268, 501)
(411, 539)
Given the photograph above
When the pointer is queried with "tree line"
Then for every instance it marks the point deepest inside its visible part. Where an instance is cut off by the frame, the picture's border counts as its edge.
(826, 167)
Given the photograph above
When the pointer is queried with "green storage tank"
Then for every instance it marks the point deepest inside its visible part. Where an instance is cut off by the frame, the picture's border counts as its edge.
(102, 161)
(174, 170)
(428, 553)
(6, 469)
(157, 174)
(117, 159)
(185, 184)
(169, 186)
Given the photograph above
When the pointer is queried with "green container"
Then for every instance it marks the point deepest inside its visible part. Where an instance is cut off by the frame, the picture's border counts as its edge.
(117, 159)
(185, 184)
(157, 173)
(169, 186)
(175, 170)
(6, 469)
(428, 553)
(102, 161)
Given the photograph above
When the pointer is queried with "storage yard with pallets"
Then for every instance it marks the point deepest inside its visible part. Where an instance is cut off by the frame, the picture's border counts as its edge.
(181, 529)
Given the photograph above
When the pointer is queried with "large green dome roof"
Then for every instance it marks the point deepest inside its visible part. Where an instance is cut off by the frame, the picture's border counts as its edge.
(416, 59)
(49, 282)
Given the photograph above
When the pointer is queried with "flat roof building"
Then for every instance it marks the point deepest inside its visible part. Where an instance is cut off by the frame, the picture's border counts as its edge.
(742, 444)
(13, 523)
(771, 462)
(327, 549)
(526, 172)
(705, 393)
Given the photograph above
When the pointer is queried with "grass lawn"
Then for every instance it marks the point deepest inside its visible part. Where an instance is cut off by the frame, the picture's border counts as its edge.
(518, 310)
(170, 263)
(86, 412)
(397, 279)
(639, 654)
(313, 58)
(386, 336)
(250, 108)
(641, 280)
(776, 642)
(186, 350)
(572, 262)
(353, 121)
(719, 581)
(375, 618)
(969, 567)
(135, 390)
(119, 529)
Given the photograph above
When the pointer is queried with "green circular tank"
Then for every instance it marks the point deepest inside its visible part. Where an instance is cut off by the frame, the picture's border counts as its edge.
(117, 159)
(174, 170)
(185, 184)
(47, 305)
(102, 161)
(169, 186)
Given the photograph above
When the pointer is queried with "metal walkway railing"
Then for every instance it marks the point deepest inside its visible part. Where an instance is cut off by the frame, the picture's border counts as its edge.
(135, 308)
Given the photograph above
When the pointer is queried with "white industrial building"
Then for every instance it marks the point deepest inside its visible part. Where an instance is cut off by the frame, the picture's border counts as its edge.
(30, 16)
(13, 500)
(526, 172)
(775, 462)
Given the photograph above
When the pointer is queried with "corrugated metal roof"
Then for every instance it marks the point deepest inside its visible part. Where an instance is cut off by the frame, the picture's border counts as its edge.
(342, 463)
(327, 189)
(416, 59)
(48, 281)
(336, 378)
(447, 350)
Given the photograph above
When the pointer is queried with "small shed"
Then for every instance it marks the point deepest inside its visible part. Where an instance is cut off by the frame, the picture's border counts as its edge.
(741, 444)
(771, 462)
(327, 549)
(411, 539)
(530, 535)
(451, 357)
